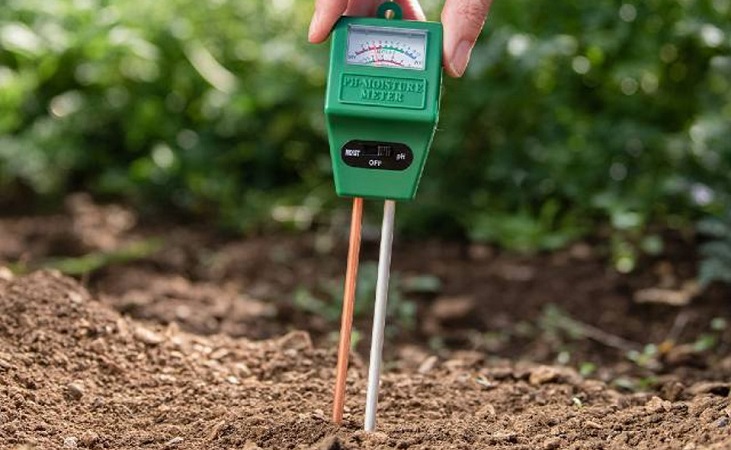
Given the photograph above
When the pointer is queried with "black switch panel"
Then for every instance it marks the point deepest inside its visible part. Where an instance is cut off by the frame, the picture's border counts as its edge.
(377, 155)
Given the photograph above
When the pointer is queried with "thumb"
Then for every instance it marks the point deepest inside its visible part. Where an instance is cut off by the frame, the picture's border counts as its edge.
(327, 12)
(463, 21)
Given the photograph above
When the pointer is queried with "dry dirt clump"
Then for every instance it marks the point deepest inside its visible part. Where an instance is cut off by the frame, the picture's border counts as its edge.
(74, 373)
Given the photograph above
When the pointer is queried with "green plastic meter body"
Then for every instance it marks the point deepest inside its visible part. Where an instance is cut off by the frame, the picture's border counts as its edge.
(382, 103)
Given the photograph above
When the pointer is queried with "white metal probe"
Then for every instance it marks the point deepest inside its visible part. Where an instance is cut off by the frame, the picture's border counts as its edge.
(379, 314)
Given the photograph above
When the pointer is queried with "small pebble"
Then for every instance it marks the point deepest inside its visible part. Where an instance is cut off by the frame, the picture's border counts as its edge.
(295, 340)
(543, 375)
(75, 390)
(6, 274)
(372, 437)
(656, 404)
(487, 411)
(75, 297)
(251, 445)
(174, 441)
(219, 354)
(319, 414)
(70, 442)
(722, 422)
(89, 438)
(504, 437)
(428, 365)
(242, 369)
(149, 337)
(673, 390)
(217, 430)
(484, 383)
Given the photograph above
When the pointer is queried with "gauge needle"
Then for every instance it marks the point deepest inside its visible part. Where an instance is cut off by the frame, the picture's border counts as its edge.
(346, 323)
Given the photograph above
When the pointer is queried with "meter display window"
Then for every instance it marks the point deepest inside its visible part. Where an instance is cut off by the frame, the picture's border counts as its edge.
(386, 47)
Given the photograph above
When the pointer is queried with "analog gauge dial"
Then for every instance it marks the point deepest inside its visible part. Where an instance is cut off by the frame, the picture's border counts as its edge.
(386, 47)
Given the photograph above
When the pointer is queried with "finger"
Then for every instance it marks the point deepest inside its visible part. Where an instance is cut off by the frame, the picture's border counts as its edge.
(327, 12)
(361, 8)
(463, 21)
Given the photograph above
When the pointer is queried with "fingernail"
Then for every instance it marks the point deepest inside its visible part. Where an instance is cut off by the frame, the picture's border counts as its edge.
(315, 19)
(460, 57)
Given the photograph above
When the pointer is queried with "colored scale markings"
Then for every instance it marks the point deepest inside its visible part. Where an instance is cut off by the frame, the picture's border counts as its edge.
(379, 55)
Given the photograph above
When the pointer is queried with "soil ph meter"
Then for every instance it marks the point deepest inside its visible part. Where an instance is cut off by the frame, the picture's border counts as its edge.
(381, 108)
(382, 103)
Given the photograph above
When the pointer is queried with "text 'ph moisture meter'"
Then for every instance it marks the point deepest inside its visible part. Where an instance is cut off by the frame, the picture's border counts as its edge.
(382, 103)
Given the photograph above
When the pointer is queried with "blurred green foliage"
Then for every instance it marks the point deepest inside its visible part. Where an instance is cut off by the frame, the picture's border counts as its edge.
(572, 115)
(326, 299)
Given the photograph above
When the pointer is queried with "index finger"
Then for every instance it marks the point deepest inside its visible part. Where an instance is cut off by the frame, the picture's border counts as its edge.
(327, 12)
(463, 21)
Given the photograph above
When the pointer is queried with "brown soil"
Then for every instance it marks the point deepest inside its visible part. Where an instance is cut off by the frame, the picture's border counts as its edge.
(194, 346)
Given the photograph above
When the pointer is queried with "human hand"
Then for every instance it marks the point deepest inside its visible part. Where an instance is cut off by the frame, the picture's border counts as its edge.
(462, 20)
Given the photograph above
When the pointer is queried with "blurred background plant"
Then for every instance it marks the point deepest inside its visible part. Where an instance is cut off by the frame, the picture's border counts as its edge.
(326, 299)
(573, 117)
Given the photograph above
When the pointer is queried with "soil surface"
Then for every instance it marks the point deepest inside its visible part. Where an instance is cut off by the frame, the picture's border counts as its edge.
(171, 337)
